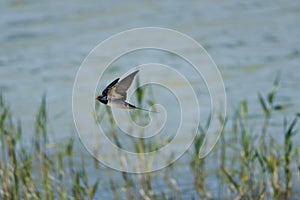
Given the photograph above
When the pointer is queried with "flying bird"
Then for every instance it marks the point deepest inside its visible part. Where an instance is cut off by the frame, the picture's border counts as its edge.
(115, 93)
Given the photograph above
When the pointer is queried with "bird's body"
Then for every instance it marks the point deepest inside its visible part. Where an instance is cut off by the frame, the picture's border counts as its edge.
(115, 93)
(120, 104)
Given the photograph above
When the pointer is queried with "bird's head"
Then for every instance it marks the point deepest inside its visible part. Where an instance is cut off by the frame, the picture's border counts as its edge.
(102, 99)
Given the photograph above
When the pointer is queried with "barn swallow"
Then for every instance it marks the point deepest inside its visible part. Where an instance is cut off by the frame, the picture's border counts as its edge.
(115, 93)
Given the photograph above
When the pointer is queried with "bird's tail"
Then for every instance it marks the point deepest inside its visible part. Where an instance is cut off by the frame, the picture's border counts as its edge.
(135, 107)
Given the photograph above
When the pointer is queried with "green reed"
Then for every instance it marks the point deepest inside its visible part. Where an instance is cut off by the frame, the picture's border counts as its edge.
(249, 161)
(38, 170)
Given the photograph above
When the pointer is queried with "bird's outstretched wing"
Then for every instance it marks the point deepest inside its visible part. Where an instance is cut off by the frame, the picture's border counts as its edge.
(119, 90)
(108, 89)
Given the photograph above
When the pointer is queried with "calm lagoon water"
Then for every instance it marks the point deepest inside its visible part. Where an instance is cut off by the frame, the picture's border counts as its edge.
(42, 45)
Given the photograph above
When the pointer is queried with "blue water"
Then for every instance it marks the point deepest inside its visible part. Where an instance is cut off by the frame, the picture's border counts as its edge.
(42, 45)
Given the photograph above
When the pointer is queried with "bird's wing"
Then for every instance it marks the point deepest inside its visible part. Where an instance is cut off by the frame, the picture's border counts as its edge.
(108, 89)
(120, 89)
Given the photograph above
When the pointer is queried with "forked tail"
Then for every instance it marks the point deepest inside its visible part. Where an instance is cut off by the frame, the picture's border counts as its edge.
(134, 107)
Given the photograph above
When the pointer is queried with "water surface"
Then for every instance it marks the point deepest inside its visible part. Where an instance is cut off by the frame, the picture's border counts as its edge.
(42, 45)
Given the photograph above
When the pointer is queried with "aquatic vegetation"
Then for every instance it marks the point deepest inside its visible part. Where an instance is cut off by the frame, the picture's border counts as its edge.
(247, 163)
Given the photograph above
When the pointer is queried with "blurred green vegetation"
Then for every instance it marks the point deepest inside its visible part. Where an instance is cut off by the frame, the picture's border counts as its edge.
(247, 165)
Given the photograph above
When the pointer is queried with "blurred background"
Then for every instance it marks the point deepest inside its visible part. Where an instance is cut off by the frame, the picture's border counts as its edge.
(43, 43)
